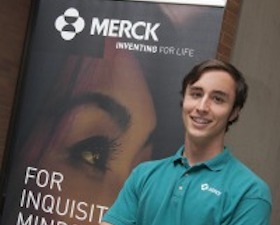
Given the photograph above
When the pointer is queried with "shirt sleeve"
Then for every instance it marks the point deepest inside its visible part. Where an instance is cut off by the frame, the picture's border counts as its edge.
(251, 211)
(124, 209)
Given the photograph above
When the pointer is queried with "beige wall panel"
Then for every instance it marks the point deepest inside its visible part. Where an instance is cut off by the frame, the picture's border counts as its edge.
(256, 138)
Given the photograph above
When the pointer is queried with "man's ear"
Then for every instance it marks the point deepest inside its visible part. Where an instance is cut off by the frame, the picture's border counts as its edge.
(234, 114)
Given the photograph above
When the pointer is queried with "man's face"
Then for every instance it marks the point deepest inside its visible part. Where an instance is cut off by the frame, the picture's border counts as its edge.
(207, 106)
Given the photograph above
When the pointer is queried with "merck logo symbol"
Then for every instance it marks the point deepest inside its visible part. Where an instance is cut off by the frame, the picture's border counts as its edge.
(206, 187)
(69, 24)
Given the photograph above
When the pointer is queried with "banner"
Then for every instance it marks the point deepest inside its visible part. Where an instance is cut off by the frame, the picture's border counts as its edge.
(221, 3)
(100, 93)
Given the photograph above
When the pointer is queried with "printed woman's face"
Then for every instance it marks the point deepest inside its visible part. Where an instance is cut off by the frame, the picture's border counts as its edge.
(104, 133)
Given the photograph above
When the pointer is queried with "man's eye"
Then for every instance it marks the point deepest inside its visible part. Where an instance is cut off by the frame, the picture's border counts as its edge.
(218, 99)
(195, 94)
(94, 151)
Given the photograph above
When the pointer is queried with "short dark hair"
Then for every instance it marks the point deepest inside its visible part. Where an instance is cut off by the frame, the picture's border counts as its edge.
(241, 90)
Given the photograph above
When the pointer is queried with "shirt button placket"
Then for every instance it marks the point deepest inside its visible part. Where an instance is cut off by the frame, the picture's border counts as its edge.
(182, 185)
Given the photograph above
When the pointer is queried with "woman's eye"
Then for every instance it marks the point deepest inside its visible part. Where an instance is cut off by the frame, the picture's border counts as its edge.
(94, 151)
(90, 157)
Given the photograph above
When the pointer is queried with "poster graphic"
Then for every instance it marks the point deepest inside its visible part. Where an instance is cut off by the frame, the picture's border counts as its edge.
(100, 94)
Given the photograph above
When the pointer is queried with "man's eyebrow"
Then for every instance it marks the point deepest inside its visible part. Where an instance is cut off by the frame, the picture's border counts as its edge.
(117, 111)
(194, 88)
(221, 93)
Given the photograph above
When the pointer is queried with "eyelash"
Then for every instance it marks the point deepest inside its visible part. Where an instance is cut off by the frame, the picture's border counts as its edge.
(94, 151)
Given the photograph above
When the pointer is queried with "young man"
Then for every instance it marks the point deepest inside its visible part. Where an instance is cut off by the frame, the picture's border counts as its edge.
(203, 183)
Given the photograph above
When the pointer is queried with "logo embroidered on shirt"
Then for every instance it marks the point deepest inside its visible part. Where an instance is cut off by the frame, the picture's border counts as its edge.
(206, 187)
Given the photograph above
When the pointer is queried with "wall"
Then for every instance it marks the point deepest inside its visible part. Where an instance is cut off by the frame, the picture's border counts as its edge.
(13, 23)
(229, 28)
(256, 138)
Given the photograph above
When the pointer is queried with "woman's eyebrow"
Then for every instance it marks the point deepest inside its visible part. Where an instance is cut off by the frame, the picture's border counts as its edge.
(118, 112)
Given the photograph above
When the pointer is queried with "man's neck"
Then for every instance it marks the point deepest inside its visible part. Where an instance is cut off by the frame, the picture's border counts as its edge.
(197, 152)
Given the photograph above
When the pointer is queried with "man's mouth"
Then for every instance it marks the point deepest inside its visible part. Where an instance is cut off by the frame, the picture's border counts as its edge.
(200, 120)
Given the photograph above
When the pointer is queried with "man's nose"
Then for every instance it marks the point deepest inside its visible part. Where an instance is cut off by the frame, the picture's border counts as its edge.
(203, 105)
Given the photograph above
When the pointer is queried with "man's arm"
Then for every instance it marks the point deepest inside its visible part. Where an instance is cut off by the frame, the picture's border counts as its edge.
(124, 209)
(252, 211)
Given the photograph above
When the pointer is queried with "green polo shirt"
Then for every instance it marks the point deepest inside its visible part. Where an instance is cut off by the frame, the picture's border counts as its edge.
(220, 191)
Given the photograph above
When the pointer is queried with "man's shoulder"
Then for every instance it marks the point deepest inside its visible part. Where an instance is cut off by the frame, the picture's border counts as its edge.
(152, 169)
(147, 176)
(154, 164)
(244, 172)
(245, 180)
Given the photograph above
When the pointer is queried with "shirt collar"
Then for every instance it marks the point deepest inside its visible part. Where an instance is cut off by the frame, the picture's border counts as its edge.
(220, 161)
(179, 154)
(215, 164)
